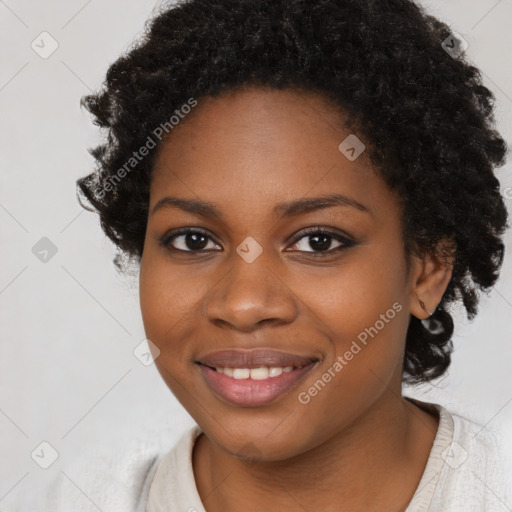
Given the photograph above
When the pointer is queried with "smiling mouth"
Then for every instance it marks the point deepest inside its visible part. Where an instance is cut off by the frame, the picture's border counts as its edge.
(253, 377)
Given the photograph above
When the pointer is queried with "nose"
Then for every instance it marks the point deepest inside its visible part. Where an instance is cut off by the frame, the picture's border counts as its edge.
(249, 295)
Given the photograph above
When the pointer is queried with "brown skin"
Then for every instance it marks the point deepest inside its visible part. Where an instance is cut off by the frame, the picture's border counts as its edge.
(357, 445)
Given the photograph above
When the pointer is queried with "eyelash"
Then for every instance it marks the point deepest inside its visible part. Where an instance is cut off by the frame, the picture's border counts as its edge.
(166, 240)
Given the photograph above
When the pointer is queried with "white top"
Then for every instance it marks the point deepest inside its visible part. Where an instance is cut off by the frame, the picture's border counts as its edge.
(465, 472)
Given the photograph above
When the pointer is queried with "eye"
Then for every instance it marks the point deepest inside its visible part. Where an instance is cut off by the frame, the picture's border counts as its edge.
(194, 240)
(188, 240)
(320, 241)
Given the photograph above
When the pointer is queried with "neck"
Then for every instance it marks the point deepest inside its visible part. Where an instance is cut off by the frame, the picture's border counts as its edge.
(375, 463)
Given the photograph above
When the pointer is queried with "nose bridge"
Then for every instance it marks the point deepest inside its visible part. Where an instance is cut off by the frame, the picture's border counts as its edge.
(250, 292)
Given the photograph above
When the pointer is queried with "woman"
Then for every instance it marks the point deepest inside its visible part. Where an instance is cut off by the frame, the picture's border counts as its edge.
(308, 188)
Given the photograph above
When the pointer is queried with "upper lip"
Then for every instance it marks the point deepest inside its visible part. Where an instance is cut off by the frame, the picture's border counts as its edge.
(254, 358)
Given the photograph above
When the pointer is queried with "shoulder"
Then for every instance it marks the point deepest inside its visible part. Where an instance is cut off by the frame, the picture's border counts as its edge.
(173, 484)
(105, 481)
(110, 474)
(480, 445)
(477, 471)
(120, 479)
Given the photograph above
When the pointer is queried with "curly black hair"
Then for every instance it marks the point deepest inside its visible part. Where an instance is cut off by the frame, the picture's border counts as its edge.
(423, 112)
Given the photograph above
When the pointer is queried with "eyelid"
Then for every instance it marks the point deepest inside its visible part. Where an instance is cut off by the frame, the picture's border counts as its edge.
(333, 232)
(345, 241)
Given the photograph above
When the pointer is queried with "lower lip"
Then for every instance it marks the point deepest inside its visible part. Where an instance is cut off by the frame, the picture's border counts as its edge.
(249, 392)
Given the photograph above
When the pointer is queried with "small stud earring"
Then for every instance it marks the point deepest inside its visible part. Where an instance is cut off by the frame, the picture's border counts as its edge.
(422, 304)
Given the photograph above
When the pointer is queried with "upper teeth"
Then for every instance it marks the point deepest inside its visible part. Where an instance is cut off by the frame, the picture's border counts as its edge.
(261, 373)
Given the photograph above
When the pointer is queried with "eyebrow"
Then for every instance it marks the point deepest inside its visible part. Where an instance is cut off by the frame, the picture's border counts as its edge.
(285, 209)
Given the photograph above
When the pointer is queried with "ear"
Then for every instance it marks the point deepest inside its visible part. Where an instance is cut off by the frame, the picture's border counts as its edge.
(429, 279)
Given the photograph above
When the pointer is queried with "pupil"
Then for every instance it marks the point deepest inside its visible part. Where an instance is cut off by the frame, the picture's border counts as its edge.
(320, 246)
(192, 242)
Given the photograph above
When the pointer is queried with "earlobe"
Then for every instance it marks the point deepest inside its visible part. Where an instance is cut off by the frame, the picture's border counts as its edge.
(431, 278)
(430, 313)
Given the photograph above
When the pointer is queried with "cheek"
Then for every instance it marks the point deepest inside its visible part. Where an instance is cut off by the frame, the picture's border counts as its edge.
(172, 301)
(353, 296)
(361, 309)
(168, 301)
(366, 329)
(169, 295)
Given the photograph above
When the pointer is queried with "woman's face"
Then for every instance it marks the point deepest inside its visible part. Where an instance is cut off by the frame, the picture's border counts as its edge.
(258, 276)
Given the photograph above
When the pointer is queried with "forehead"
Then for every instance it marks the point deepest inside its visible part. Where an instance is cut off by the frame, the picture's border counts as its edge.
(260, 145)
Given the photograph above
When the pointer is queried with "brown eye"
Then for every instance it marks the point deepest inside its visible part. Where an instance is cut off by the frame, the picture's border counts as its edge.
(188, 240)
(318, 241)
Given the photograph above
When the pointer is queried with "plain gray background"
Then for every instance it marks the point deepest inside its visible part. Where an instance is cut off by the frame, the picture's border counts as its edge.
(68, 375)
